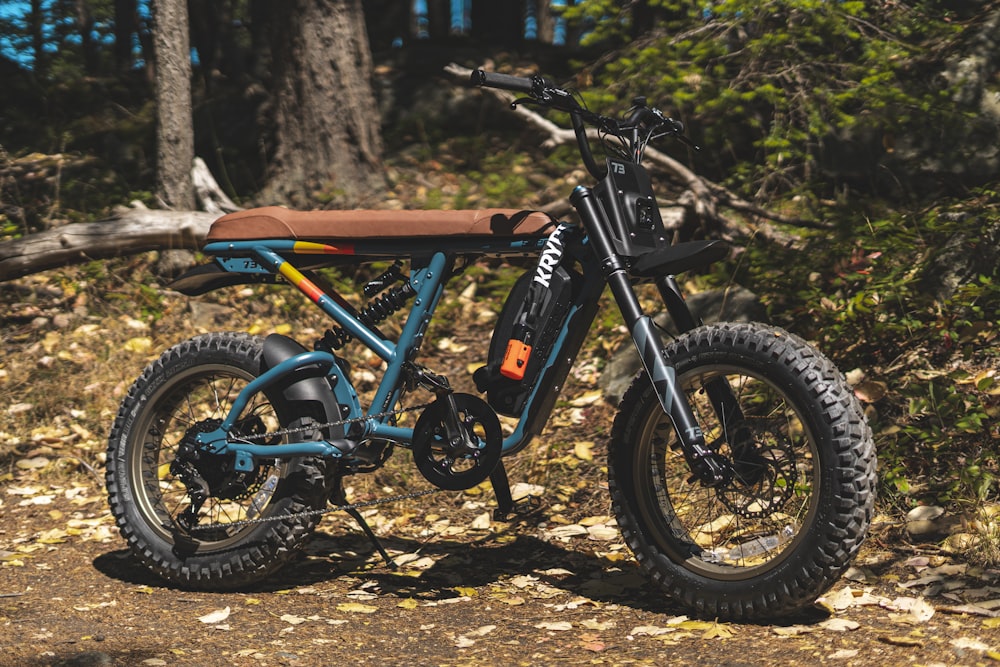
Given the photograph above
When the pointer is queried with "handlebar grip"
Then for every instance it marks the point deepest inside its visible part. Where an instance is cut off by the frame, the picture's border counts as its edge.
(517, 84)
(646, 117)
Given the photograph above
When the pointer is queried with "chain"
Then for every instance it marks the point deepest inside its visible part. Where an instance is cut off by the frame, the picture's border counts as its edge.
(314, 427)
(327, 510)
(312, 513)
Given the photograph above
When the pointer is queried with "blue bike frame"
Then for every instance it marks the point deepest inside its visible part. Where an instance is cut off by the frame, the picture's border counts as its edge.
(431, 268)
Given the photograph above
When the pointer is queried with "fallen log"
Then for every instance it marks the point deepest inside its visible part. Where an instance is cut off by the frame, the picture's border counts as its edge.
(134, 230)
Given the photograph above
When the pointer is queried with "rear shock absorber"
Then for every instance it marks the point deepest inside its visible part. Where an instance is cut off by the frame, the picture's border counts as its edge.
(377, 310)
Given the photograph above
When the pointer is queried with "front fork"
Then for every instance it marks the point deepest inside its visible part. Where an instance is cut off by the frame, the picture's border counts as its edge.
(707, 466)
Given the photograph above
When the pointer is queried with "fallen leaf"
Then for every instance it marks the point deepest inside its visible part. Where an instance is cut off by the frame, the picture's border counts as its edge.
(594, 624)
(871, 391)
(844, 654)
(481, 522)
(839, 625)
(566, 532)
(588, 398)
(971, 644)
(215, 617)
(292, 619)
(33, 463)
(53, 536)
(838, 600)
(408, 603)
(523, 490)
(696, 625)
(602, 533)
(557, 626)
(584, 450)
(356, 608)
(717, 631)
(140, 344)
(524, 580)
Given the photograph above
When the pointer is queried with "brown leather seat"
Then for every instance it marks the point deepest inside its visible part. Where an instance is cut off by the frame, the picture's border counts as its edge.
(275, 222)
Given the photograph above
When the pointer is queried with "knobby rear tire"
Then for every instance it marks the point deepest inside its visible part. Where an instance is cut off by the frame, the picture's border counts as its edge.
(802, 498)
(192, 382)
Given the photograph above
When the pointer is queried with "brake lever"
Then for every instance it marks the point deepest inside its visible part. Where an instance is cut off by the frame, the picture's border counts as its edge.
(687, 142)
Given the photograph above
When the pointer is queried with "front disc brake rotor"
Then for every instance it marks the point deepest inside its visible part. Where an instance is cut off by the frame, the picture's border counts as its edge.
(765, 477)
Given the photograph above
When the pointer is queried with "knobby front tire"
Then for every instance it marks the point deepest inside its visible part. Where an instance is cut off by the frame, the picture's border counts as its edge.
(195, 382)
(783, 530)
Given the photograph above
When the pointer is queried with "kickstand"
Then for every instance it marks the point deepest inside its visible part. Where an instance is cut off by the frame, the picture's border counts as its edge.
(356, 515)
(506, 507)
(371, 536)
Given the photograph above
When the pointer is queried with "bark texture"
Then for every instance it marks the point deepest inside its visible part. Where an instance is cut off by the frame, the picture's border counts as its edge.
(175, 126)
(327, 123)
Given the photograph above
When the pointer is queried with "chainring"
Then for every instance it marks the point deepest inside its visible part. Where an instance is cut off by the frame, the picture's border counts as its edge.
(460, 465)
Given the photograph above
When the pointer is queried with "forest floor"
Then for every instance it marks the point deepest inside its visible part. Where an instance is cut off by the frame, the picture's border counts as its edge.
(556, 586)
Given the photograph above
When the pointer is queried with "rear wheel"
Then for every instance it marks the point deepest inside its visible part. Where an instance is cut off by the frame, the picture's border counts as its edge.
(191, 388)
(799, 503)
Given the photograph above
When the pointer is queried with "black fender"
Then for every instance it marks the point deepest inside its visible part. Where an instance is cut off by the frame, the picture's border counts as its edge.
(305, 392)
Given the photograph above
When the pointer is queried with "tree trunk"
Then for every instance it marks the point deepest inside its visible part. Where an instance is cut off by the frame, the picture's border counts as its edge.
(498, 23)
(439, 18)
(545, 20)
(327, 132)
(388, 21)
(85, 28)
(125, 27)
(36, 23)
(175, 129)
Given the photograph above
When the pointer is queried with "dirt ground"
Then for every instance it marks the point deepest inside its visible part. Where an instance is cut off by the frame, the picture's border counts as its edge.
(556, 587)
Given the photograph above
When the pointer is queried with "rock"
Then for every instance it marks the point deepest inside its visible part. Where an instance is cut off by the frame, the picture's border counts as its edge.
(723, 305)
(209, 316)
(930, 523)
(172, 263)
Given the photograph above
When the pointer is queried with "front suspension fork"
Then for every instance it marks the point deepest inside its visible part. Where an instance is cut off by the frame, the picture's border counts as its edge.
(708, 467)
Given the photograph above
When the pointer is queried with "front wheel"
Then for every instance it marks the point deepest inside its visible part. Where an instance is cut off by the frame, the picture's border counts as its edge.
(799, 497)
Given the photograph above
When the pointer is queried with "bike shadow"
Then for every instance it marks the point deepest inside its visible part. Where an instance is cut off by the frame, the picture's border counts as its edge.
(507, 567)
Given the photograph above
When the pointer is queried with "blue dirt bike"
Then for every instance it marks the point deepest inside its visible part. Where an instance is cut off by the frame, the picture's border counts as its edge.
(741, 467)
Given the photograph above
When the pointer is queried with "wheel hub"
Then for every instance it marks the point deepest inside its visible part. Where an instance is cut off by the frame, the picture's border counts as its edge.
(764, 475)
(214, 474)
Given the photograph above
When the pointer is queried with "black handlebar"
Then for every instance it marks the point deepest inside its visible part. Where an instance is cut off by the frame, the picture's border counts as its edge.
(517, 84)
(543, 92)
